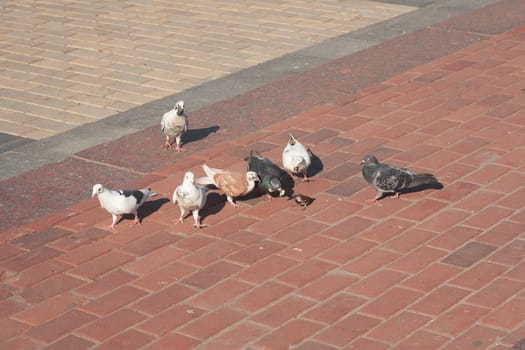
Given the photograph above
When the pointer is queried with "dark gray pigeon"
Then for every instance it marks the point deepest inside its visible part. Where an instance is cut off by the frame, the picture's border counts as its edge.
(388, 179)
(271, 177)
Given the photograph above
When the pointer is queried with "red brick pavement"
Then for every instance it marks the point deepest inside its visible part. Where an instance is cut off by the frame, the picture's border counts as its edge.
(434, 269)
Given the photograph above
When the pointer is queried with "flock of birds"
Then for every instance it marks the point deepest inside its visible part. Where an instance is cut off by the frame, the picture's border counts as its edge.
(261, 173)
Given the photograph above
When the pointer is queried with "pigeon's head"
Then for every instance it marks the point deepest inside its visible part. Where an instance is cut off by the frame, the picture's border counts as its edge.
(97, 189)
(276, 186)
(179, 107)
(189, 177)
(252, 176)
(299, 164)
(369, 159)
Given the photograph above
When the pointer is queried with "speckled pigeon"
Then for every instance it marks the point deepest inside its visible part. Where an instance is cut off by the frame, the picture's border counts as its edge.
(174, 123)
(387, 179)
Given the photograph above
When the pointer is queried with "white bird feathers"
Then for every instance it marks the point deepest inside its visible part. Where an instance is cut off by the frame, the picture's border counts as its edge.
(174, 123)
(120, 202)
(296, 157)
(190, 197)
(233, 184)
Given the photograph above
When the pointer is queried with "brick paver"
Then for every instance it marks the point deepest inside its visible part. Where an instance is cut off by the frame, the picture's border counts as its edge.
(64, 64)
(434, 269)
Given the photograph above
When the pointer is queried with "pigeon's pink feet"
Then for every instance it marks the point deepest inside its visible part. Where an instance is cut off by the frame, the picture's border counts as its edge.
(396, 196)
(372, 200)
(198, 224)
(166, 145)
(135, 222)
(178, 148)
(180, 221)
(307, 179)
(268, 197)
(111, 228)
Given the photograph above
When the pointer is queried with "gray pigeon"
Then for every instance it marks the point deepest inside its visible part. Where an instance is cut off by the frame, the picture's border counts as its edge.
(174, 123)
(190, 197)
(120, 202)
(389, 179)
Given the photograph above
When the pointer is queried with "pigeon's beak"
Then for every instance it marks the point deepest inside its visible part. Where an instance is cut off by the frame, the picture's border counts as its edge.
(362, 162)
(93, 194)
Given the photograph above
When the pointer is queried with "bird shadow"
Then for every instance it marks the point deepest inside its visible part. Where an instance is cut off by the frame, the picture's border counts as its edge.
(316, 166)
(214, 204)
(150, 207)
(422, 187)
(193, 135)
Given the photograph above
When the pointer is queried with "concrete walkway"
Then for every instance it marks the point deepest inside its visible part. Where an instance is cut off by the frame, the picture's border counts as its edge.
(65, 64)
(435, 269)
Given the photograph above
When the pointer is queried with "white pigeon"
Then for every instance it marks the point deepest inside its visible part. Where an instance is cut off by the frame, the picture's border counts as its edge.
(296, 157)
(190, 197)
(174, 123)
(233, 184)
(120, 202)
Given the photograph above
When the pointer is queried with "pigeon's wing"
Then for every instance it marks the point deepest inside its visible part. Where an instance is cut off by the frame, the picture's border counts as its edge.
(267, 167)
(164, 120)
(389, 178)
(204, 181)
(177, 195)
(210, 173)
(253, 163)
(231, 183)
(122, 201)
(287, 157)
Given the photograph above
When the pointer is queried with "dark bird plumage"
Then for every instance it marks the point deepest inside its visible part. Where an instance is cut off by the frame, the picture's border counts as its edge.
(271, 177)
(388, 179)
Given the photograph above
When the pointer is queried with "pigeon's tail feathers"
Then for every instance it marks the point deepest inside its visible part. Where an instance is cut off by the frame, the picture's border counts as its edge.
(204, 181)
(209, 171)
(291, 140)
(148, 192)
(423, 179)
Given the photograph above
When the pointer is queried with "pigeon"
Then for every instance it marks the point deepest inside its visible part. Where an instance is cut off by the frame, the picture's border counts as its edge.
(390, 179)
(119, 202)
(302, 200)
(296, 157)
(271, 177)
(190, 197)
(233, 184)
(174, 123)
